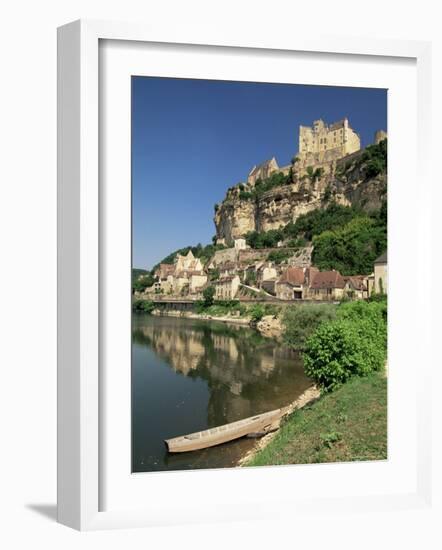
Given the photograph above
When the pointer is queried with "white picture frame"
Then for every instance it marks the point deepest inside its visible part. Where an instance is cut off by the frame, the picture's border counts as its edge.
(79, 275)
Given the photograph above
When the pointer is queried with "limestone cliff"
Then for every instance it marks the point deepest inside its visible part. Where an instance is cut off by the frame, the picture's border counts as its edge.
(346, 181)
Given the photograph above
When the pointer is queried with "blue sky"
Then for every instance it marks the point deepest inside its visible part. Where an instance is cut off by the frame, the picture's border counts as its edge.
(192, 139)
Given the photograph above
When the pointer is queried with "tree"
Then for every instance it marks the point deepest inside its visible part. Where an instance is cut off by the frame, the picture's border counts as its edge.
(143, 282)
(352, 248)
(208, 296)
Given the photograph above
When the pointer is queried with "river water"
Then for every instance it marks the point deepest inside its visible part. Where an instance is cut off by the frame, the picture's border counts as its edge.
(190, 375)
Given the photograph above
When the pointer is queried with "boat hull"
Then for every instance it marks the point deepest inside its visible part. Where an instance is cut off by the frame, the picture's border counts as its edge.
(254, 426)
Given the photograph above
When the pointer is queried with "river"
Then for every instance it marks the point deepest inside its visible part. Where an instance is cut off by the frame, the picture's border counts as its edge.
(190, 375)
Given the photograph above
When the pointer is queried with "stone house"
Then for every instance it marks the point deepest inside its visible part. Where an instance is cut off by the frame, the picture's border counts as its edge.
(240, 244)
(262, 171)
(226, 288)
(291, 285)
(266, 271)
(356, 286)
(163, 271)
(228, 268)
(381, 274)
(327, 285)
(185, 275)
(187, 263)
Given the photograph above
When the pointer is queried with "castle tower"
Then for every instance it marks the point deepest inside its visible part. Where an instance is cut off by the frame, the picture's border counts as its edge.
(379, 136)
(324, 143)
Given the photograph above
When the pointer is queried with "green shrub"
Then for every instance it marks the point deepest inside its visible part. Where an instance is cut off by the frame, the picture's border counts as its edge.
(208, 296)
(351, 248)
(142, 282)
(279, 256)
(220, 308)
(301, 321)
(373, 311)
(264, 239)
(257, 312)
(354, 344)
(144, 306)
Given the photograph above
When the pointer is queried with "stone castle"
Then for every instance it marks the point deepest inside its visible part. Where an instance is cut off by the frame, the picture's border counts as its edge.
(324, 150)
(324, 143)
(330, 166)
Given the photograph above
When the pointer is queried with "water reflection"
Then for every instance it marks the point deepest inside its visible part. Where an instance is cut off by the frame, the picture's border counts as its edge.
(190, 375)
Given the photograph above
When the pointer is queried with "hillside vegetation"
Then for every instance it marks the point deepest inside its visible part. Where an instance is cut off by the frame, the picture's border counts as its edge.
(345, 238)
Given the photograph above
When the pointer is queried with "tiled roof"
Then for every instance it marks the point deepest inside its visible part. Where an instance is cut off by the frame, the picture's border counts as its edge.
(293, 276)
(357, 281)
(258, 167)
(164, 270)
(382, 259)
(327, 279)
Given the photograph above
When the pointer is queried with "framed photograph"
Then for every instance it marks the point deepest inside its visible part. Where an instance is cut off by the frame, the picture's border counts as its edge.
(234, 218)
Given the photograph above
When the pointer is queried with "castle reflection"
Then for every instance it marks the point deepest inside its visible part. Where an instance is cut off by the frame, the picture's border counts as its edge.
(246, 374)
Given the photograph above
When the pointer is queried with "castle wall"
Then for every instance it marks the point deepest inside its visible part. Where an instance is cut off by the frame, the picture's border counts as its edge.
(337, 140)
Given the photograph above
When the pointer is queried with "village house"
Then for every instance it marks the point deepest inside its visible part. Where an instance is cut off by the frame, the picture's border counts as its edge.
(240, 244)
(185, 275)
(228, 268)
(380, 274)
(291, 285)
(226, 288)
(327, 285)
(356, 287)
(267, 276)
(267, 272)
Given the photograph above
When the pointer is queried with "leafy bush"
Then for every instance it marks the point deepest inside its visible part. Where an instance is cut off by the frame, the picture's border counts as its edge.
(245, 195)
(279, 256)
(319, 220)
(144, 306)
(220, 308)
(353, 344)
(351, 248)
(301, 321)
(277, 179)
(372, 310)
(208, 296)
(256, 312)
(314, 175)
(264, 239)
(142, 282)
(374, 159)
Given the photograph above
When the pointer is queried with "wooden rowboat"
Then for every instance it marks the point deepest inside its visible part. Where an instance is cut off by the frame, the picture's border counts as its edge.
(254, 426)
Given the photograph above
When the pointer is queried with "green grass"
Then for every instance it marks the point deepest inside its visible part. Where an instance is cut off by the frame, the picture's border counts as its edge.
(346, 425)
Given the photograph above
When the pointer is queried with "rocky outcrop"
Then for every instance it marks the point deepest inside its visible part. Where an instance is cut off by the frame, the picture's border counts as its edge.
(235, 217)
(282, 205)
(270, 327)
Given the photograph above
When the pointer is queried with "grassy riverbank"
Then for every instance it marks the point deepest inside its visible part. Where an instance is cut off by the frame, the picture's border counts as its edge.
(346, 425)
